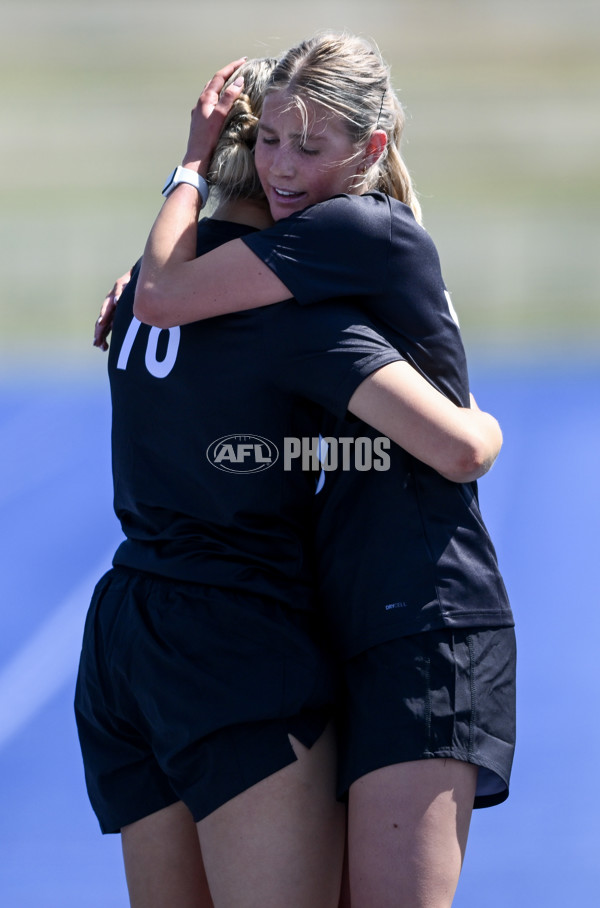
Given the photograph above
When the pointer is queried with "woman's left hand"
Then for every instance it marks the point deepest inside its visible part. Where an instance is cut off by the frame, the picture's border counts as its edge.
(208, 117)
(104, 322)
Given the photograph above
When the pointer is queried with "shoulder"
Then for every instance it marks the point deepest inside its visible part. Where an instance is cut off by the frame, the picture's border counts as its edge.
(212, 232)
(355, 227)
(349, 214)
(353, 212)
(409, 240)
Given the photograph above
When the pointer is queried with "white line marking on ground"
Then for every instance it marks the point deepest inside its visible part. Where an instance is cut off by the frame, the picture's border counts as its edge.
(47, 661)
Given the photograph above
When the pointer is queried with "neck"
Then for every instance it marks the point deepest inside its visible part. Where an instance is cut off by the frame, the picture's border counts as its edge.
(244, 211)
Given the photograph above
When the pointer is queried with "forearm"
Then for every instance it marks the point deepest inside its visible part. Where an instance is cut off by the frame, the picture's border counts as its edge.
(176, 290)
(459, 443)
(171, 246)
(174, 287)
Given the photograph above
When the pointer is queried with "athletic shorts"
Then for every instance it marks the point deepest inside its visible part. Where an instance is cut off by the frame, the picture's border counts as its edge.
(186, 692)
(445, 694)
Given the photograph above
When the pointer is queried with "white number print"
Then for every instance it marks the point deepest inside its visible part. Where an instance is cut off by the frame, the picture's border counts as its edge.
(451, 308)
(159, 368)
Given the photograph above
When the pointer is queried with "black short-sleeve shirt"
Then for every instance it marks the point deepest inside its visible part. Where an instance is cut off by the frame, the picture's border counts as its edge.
(404, 550)
(202, 415)
(372, 249)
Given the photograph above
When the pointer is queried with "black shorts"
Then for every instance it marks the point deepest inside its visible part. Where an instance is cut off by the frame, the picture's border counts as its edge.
(189, 693)
(448, 694)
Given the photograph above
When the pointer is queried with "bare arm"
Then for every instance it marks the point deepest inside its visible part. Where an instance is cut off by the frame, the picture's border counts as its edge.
(175, 287)
(460, 443)
(175, 290)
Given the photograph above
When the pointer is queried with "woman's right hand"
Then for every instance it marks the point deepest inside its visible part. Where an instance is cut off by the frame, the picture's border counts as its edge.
(104, 322)
(208, 117)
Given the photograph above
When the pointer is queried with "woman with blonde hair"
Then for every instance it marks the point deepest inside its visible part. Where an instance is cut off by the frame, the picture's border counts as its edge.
(408, 576)
(205, 687)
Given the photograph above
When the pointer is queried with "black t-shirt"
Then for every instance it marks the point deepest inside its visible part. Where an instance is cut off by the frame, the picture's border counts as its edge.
(202, 417)
(403, 550)
(372, 249)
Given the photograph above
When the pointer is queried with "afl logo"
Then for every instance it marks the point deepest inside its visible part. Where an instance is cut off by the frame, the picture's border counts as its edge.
(242, 453)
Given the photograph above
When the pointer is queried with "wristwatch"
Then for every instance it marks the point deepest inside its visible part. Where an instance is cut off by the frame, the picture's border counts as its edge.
(185, 175)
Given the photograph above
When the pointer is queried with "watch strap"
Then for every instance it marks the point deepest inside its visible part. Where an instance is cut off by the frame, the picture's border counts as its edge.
(186, 175)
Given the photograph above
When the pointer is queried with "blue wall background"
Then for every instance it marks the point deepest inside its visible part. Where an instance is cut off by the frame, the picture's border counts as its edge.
(541, 501)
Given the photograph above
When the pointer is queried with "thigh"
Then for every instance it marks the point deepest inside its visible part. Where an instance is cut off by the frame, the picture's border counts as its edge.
(447, 694)
(280, 842)
(163, 861)
(407, 832)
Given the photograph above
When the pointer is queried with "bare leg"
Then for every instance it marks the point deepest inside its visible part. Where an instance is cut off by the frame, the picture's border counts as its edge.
(408, 826)
(345, 890)
(163, 863)
(281, 842)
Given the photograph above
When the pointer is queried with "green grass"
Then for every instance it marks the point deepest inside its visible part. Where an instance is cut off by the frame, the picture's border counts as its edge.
(502, 138)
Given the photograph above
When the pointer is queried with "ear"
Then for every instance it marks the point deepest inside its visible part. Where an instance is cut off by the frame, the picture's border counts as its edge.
(375, 147)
